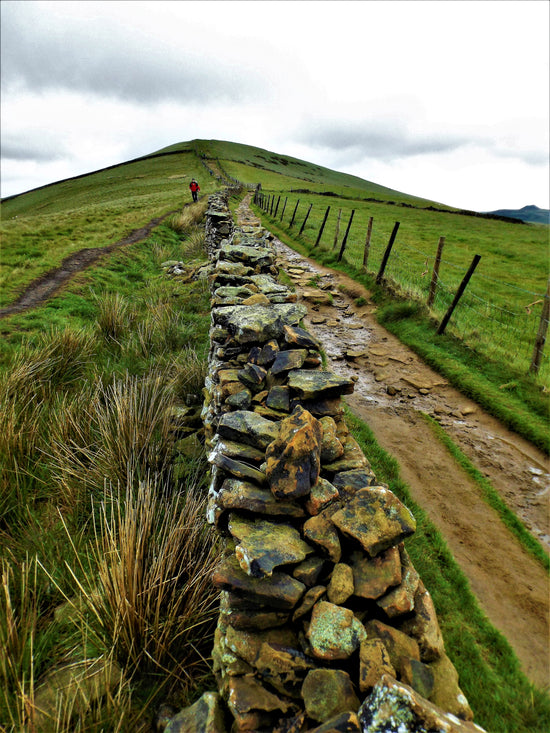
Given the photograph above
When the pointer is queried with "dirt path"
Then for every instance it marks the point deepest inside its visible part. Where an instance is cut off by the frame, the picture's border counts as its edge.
(44, 287)
(393, 388)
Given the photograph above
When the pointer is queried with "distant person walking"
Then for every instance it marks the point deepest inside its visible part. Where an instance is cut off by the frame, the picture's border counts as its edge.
(195, 188)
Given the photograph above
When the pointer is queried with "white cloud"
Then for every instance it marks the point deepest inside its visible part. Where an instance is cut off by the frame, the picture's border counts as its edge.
(407, 91)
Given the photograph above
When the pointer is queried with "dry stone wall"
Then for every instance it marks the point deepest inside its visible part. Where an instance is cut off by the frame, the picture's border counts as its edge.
(324, 623)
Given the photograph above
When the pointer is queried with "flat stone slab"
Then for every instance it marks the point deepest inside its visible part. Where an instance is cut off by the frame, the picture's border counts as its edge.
(311, 384)
(263, 545)
(257, 323)
(237, 494)
(248, 427)
(280, 591)
(376, 519)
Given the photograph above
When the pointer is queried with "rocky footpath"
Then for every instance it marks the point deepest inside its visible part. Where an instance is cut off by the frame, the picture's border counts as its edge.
(324, 623)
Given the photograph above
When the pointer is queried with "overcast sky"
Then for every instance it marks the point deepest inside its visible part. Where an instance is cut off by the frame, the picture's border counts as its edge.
(448, 100)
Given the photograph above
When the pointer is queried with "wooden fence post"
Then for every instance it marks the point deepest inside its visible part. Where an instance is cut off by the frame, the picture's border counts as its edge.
(284, 207)
(435, 273)
(294, 214)
(461, 289)
(541, 333)
(343, 247)
(272, 202)
(367, 244)
(304, 222)
(337, 232)
(387, 253)
(277, 207)
(322, 227)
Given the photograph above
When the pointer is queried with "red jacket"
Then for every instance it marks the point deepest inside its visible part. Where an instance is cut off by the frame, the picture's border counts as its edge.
(194, 186)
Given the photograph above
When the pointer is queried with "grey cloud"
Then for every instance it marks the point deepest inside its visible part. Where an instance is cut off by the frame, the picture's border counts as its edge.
(22, 149)
(392, 141)
(375, 140)
(111, 62)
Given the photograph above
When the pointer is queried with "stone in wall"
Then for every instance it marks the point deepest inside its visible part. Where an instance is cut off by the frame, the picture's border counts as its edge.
(324, 623)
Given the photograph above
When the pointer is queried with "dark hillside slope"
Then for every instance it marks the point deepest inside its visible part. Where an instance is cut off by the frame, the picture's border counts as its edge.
(530, 214)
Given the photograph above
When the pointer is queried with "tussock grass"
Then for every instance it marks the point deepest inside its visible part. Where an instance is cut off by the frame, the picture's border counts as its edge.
(126, 431)
(114, 315)
(192, 214)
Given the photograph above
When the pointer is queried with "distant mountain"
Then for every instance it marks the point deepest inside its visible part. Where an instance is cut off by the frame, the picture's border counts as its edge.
(530, 214)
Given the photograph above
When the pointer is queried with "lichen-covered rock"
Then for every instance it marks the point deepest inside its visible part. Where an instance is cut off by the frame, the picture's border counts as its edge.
(398, 645)
(263, 545)
(311, 384)
(296, 336)
(355, 479)
(322, 494)
(424, 627)
(334, 632)
(328, 692)
(374, 661)
(372, 576)
(352, 457)
(278, 398)
(256, 323)
(344, 723)
(256, 257)
(236, 468)
(253, 376)
(331, 447)
(287, 360)
(236, 494)
(293, 458)
(247, 694)
(340, 587)
(417, 675)
(244, 426)
(446, 691)
(251, 614)
(321, 531)
(204, 716)
(309, 571)
(400, 599)
(283, 667)
(308, 601)
(376, 519)
(394, 707)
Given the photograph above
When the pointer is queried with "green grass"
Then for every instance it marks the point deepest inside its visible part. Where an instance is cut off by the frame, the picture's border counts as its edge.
(40, 228)
(89, 502)
(520, 401)
(506, 702)
(499, 314)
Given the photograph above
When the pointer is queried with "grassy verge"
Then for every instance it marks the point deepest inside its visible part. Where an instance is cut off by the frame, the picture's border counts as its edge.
(492, 497)
(517, 400)
(505, 702)
(103, 613)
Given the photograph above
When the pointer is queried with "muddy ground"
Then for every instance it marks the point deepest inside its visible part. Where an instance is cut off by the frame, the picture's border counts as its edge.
(393, 388)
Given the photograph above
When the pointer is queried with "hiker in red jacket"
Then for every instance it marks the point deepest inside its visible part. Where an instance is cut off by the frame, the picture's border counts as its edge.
(195, 188)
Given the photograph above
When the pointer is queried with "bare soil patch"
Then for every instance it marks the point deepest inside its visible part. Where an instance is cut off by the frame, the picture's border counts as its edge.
(393, 388)
(44, 287)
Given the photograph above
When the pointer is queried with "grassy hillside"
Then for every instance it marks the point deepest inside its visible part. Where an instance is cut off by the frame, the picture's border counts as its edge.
(93, 472)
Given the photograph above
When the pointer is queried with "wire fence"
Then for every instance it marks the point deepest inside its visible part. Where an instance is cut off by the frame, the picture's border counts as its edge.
(497, 319)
